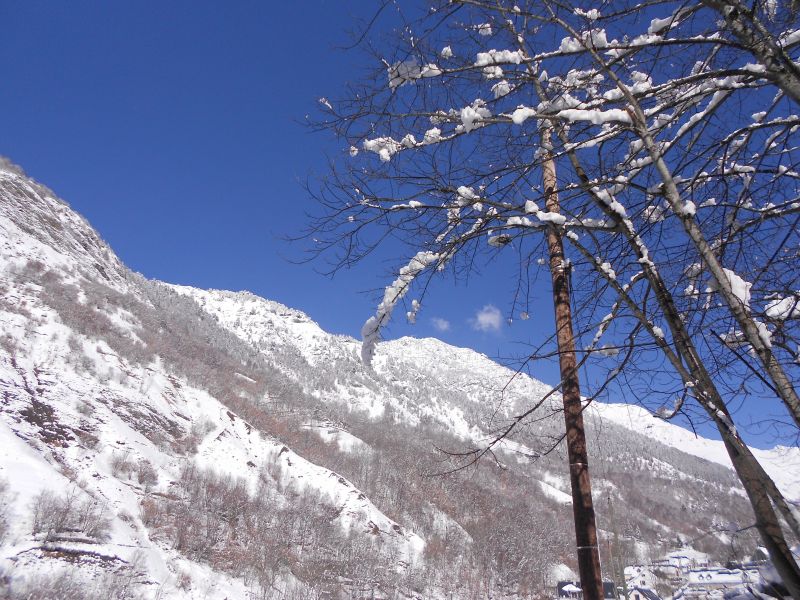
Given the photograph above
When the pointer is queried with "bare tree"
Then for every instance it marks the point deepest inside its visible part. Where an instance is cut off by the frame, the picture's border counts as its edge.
(679, 194)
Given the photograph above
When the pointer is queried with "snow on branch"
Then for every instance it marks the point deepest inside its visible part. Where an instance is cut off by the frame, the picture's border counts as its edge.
(598, 117)
(496, 57)
(784, 308)
(370, 332)
(408, 71)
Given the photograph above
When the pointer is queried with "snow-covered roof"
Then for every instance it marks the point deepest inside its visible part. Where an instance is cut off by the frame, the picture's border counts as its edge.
(686, 554)
(703, 577)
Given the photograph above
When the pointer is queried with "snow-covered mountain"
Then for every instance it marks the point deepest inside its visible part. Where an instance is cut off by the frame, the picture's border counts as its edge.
(162, 441)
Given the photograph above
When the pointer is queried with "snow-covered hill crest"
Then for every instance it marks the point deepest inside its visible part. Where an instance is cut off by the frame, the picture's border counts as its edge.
(170, 442)
(270, 325)
(85, 428)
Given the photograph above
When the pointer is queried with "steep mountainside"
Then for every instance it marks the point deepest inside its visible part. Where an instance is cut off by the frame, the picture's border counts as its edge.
(161, 441)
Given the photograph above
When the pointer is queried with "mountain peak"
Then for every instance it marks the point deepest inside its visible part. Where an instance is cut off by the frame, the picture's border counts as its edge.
(215, 444)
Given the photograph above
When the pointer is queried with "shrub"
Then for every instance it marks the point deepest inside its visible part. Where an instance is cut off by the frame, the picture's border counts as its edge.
(69, 583)
(55, 515)
(146, 474)
(122, 466)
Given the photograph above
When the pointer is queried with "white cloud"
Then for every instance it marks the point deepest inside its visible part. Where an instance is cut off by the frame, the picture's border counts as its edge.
(440, 324)
(487, 319)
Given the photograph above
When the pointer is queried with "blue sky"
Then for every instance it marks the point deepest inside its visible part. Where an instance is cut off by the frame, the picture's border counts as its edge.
(177, 129)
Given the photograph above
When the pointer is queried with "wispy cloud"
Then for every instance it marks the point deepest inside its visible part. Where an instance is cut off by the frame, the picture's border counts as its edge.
(440, 324)
(487, 319)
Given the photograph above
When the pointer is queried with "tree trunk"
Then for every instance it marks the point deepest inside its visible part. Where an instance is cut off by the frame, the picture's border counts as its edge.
(748, 470)
(756, 38)
(740, 312)
(582, 505)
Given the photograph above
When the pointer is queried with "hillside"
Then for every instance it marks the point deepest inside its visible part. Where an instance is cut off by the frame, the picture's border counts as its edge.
(161, 441)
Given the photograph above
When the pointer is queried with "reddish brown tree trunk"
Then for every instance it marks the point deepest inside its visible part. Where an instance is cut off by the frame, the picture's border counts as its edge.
(582, 505)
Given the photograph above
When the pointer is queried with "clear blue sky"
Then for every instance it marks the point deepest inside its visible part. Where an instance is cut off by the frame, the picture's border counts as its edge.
(177, 129)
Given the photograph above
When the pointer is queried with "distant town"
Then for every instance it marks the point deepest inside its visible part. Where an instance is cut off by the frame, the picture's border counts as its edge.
(683, 574)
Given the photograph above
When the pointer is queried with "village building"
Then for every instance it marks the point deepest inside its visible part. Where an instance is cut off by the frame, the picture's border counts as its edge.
(571, 590)
(712, 583)
(640, 576)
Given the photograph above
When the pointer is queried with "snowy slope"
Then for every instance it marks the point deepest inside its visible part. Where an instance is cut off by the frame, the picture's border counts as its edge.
(782, 463)
(90, 411)
(270, 325)
(75, 413)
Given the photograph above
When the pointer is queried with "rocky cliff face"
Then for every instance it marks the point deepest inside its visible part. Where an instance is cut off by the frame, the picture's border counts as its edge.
(166, 442)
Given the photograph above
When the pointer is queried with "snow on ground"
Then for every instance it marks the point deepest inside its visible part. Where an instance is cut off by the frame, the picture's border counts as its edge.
(555, 493)
(258, 320)
(229, 445)
(781, 463)
(561, 572)
(71, 413)
(128, 412)
(344, 440)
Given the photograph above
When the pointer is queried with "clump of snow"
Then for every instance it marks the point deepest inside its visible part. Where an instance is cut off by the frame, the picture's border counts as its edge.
(430, 70)
(531, 207)
(598, 117)
(595, 38)
(494, 57)
(446, 52)
(592, 14)
(608, 351)
(658, 26)
(498, 241)
(502, 88)
(653, 213)
(784, 308)
(433, 135)
(605, 267)
(466, 195)
(739, 287)
(570, 44)
(551, 217)
(403, 72)
(384, 147)
(408, 141)
(484, 29)
(687, 209)
(521, 114)
(370, 332)
(517, 221)
(493, 72)
(408, 71)
(607, 198)
(411, 315)
(471, 116)
(763, 333)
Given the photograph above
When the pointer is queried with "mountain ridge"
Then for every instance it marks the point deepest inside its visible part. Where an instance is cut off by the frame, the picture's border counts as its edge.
(179, 432)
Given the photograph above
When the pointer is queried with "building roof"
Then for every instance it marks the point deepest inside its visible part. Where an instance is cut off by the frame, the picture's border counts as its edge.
(647, 592)
(701, 577)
